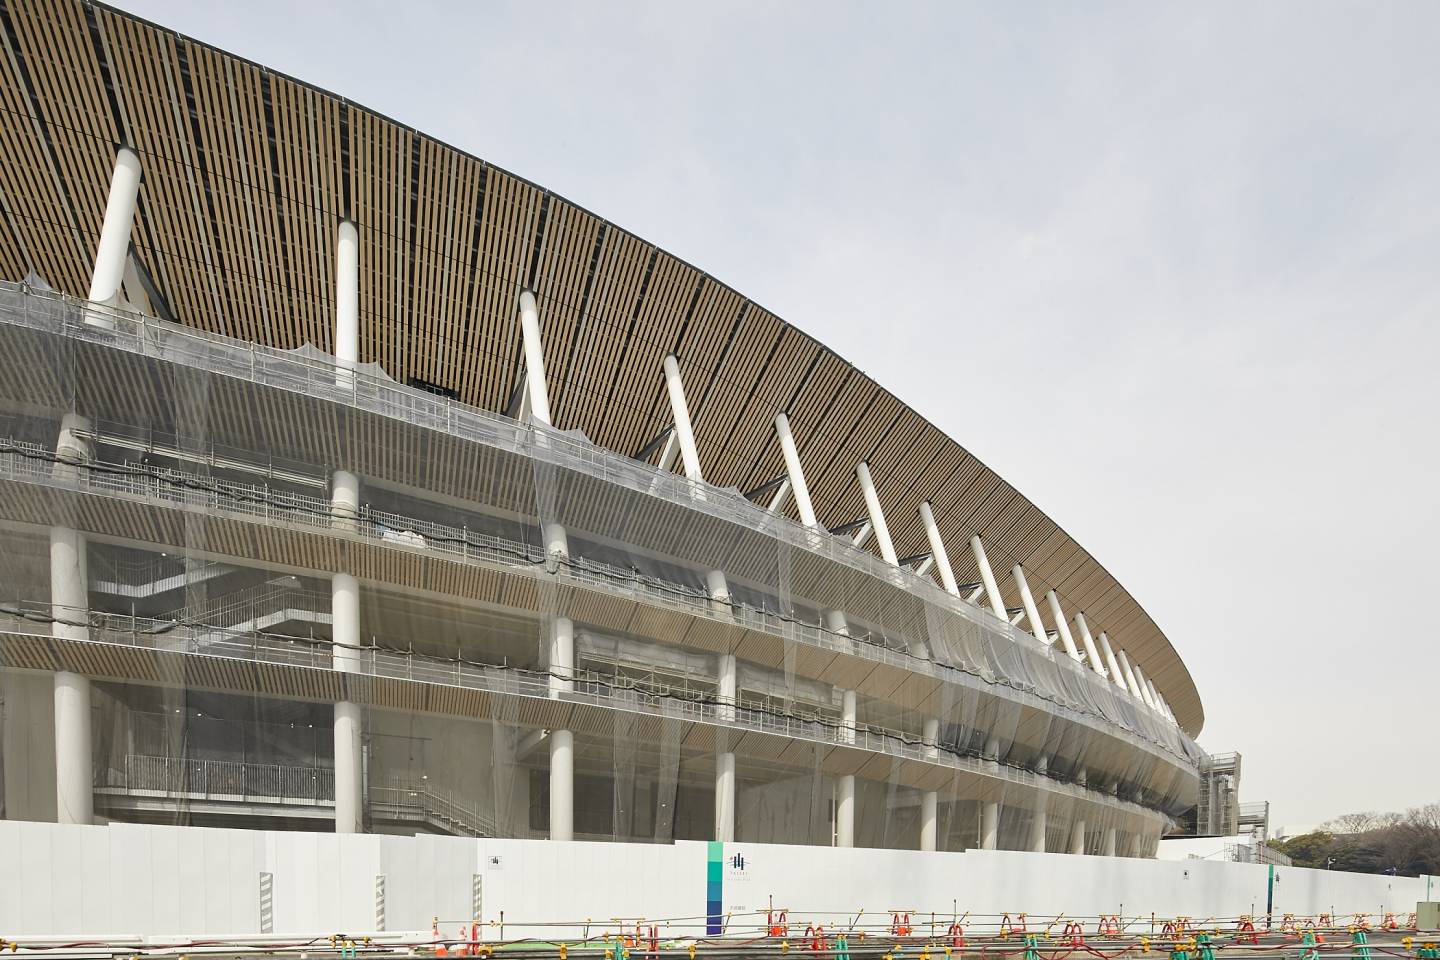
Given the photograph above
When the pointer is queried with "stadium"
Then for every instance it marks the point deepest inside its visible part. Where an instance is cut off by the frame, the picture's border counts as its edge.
(395, 552)
(351, 483)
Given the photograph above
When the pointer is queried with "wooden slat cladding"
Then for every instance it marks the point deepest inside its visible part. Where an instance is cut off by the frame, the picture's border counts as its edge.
(247, 175)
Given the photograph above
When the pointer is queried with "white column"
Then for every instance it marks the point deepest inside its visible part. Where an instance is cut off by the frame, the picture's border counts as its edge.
(725, 686)
(74, 780)
(793, 469)
(782, 493)
(69, 585)
(1077, 838)
(987, 577)
(70, 615)
(562, 785)
(1062, 625)
(930, 799)
(937, 550)
(534, 359)
(1032, 612)
(989, 824)
(562, 656)
(1146, 688)
(725, 797)
(929, 816)
(344, 499)
(862, 535)
(1109, 848)
(845, 811)
(1091, 653)
(689, 455)
(877, 516)
(345, 656)
(1038, 825)
(835, 622)
(725, 689)
(114, 246)
(1129, 673)
(930, 736)
(845, 799)
(562, 742)
(347, 304)
(1117, 676)
(847, 716)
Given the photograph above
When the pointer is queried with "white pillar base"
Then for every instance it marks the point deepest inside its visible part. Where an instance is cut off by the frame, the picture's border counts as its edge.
(348, 788)
(1077, 838)
(1038, 827)
(74, 777)
(1109, 848)
(929, 816)
(990, 825)
(562, 785)
(725, 797)
(845, 811)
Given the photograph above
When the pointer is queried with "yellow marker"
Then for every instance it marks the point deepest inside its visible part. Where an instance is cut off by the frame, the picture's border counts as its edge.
(784, 946)
(1144, 944)
(564, 951)
(692, 951)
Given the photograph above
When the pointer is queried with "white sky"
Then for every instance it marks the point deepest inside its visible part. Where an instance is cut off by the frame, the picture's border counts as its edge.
(1173, 270)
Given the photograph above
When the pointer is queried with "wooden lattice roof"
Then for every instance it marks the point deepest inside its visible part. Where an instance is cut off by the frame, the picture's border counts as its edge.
(247, 174)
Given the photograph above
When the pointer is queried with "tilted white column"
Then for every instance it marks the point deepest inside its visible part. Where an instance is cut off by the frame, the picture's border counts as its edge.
(534, 358)
(715, 582)
(937, 550)
(347, 304)
(725, 688)
(793, 469)
(1129, 673)
(877, 516)
(1091, 654)
(562, 742)
(1062, 625)
(1077, 838)
(987, 577)
(1032, 612)
(114, 247)
(847, 716)
(782, 493)
(989, 824)
(346, 658)
(1147, 689)
(680, 410)
(862, 536)
(835, 622)
(1117, 676)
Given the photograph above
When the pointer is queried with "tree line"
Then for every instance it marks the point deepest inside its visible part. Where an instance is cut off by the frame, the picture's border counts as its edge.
(1405, 844)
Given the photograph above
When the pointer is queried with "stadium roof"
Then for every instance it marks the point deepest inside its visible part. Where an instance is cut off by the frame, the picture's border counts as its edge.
(247, 174)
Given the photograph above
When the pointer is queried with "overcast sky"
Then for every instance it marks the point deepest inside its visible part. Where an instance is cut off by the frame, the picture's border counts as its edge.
(1174, 271)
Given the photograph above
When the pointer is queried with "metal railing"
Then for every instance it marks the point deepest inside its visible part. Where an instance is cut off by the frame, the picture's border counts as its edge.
(321, 377)
(577, 687)
(242, 781)
(31, 462)
(219, 779)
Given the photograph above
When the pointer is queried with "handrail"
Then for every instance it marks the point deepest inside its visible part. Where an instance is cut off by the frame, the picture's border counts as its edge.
(168, 636)
(323, 378)
(31, 462)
